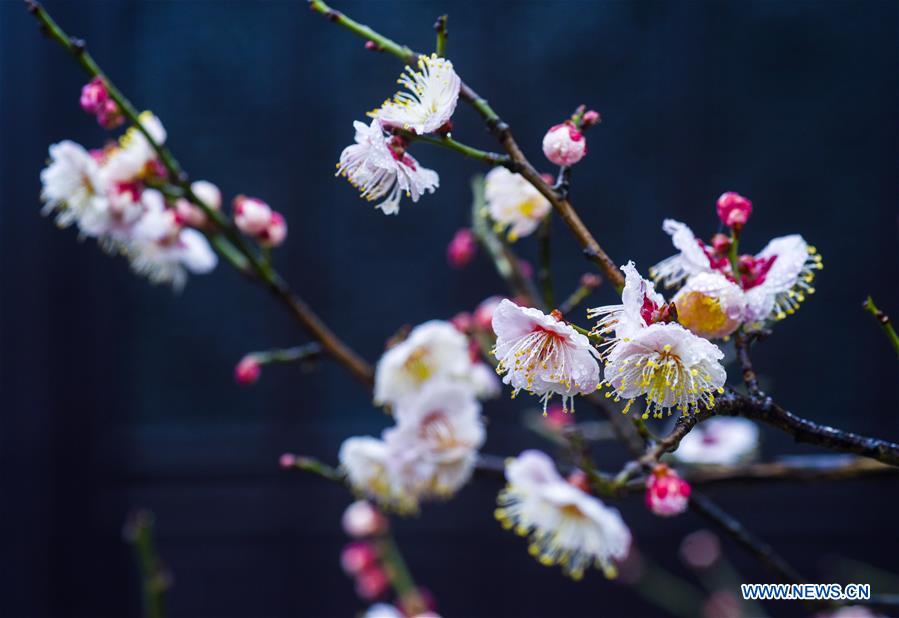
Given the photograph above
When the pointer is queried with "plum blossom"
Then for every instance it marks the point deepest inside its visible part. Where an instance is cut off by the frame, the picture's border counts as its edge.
(514, 203)
(162, 250)
(435, 442)
(719, 441)
(379, 167)
(710, 305)
(566, 526)
(649, 355)
(433, 350)
(433, 91)
(773, 282)
(366, 463)
(191, 214)
(71, 184)
(667, 494)
(543, 355)
(564, 144)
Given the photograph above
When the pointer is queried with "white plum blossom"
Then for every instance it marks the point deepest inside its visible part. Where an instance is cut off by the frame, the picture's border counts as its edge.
(648, 356)
(379, 167)
(433, 91)
(566, 526)
(433, 350)
(71, 184)
(772, 283)
(164, 251)
(365, 461)
(719, 441)
(129, 161)
(514, 203)
(710, 305)
(435, 442)
(484, 381)
(543, 355)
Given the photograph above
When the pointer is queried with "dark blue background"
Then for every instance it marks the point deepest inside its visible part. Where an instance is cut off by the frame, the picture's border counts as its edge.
(116, 394)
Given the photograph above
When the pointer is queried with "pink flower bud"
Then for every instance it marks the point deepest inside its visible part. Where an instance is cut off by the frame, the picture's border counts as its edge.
(462, 321)
(109, 116)
(483, 315)
(461, 248)
(591, 117)
(667, 493)
(251, 215)
(247, 370)
(563, 144)
(276, 231)
(357, 557)
(361, 519)
(287, 460)
(208, 193)
(591, 280)
(94, 96)
(372, 583)
(188, 214)
(734, 209)
(721, 243)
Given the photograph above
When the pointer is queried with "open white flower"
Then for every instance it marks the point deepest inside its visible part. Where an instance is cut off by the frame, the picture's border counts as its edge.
(433, 91)
(433, 350)
(543, 355)
(71, 184)
(435, 442)
(710, 305)
(163, 251)
(379, 167)
(651, 357)
(128, 161)
(365, 461)
(514, 203)
(719, 441)
(772, 283)
(566, 526)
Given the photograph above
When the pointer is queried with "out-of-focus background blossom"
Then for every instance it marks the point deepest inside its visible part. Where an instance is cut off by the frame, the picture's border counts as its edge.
(115, 394)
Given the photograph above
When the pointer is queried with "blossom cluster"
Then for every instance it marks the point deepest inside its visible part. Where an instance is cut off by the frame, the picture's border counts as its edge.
(431, 382)
(721, 290)
(109, 195)
(565, 524)
(378, 164)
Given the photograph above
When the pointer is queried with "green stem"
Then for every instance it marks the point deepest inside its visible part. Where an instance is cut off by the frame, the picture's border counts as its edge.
(301, 353)
(544, 272)
(400, 51)
(490, 158)
(733, 253)
(154, 579)
(266, 274)
(399, 574)
(884, 321)
(440, 27)
(311, 464)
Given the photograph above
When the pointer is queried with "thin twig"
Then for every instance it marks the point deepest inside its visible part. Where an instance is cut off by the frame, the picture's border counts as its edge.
(155, 579)
(299, 354)
(490, 158)
(544, 270)
(502, 133)
(884, 321)
(589, 282)
(442, 34)
(336, 348)
(741, 343)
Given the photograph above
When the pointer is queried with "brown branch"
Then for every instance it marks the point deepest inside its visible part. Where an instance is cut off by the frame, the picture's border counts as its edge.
(261, 271)
(500, 130)
(812, 468)
(741, 343)
(731, 403)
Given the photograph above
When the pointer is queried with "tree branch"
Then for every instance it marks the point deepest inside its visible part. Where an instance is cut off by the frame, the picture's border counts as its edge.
(884, 321)
(502, 133)
(741, 343)
(336, 348)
